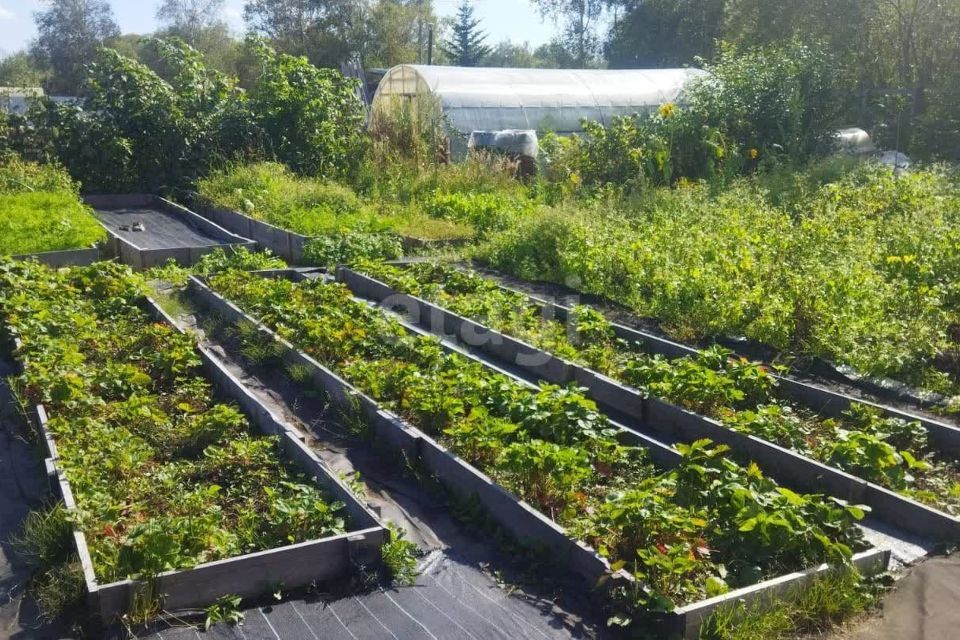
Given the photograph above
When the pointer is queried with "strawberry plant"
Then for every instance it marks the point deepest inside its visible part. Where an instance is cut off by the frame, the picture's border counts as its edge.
(164, 476)
(685, 532)
(741, 394)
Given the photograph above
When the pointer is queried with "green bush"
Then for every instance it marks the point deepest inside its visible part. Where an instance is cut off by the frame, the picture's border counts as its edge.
(312, 118)
(755, 106)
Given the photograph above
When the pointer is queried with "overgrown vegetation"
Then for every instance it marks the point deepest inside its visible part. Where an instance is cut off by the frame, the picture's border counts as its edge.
(41, 210)
(856, 268)
(813, 610)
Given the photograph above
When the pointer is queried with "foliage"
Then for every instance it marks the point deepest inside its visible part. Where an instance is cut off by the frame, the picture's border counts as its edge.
(19, 70)
(485, 212)
(341, 248)
(138, 131)
(814, 609)
(147, 130)
(756, 105)
(36, 222)
(68, 34)
(555, 450)
(272, 193)
(225, 609)
(163, 476)
(741, 394)
(466, 47)
(42, 211)
(399, 557)
(238, 258)
(312, 118)
(856, 271)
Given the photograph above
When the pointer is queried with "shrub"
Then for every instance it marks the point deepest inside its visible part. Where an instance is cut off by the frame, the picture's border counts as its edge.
(312, 118)
(775, 102)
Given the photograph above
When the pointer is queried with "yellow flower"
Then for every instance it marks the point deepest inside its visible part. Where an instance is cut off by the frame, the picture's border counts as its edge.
(753, 153)
(575, 179)
(667, 110)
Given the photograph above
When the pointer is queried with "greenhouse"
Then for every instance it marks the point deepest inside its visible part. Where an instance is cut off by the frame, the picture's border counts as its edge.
(493, 99)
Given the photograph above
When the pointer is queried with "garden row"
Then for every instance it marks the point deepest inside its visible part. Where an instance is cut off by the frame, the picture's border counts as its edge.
(890, 451)
(673, 527)
(176, 497)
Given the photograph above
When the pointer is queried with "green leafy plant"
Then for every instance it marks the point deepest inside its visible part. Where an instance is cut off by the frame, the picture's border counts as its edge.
(552, 448)
(225, 609)
(399, 557)
(742, 394)
(163, 476)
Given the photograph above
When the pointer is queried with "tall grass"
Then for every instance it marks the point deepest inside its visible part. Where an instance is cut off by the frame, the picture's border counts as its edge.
(270, 192)
(40, 210)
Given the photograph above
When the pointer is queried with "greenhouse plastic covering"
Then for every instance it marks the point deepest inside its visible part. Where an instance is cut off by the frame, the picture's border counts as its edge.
(494, 99)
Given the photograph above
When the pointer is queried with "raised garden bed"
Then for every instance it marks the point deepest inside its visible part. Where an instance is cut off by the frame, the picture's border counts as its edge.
(438, 450)
(543, 325)
(147, 231)
(290, 245)
(289, 508)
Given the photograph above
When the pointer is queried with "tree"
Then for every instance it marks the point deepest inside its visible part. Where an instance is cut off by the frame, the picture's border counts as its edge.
(395, 31)
(188, 19)
(466, 47)
(327, 32)
(580, 20)
(69, 33)
(510, 54)
(19, 70)
(556, 55)
(662, 33)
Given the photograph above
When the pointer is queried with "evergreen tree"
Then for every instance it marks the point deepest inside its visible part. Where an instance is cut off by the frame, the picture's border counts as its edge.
(466, 47)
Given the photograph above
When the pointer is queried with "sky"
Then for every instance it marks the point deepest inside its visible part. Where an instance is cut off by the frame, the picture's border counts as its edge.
(516, 20)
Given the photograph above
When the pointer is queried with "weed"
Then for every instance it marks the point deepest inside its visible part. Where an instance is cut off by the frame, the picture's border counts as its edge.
(813, 609)
(400, 557)
(225, 609)
(298, 373)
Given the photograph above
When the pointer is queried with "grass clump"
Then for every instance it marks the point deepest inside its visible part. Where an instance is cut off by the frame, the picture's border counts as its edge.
(825, 603)
(42, 211)
(45, 541)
